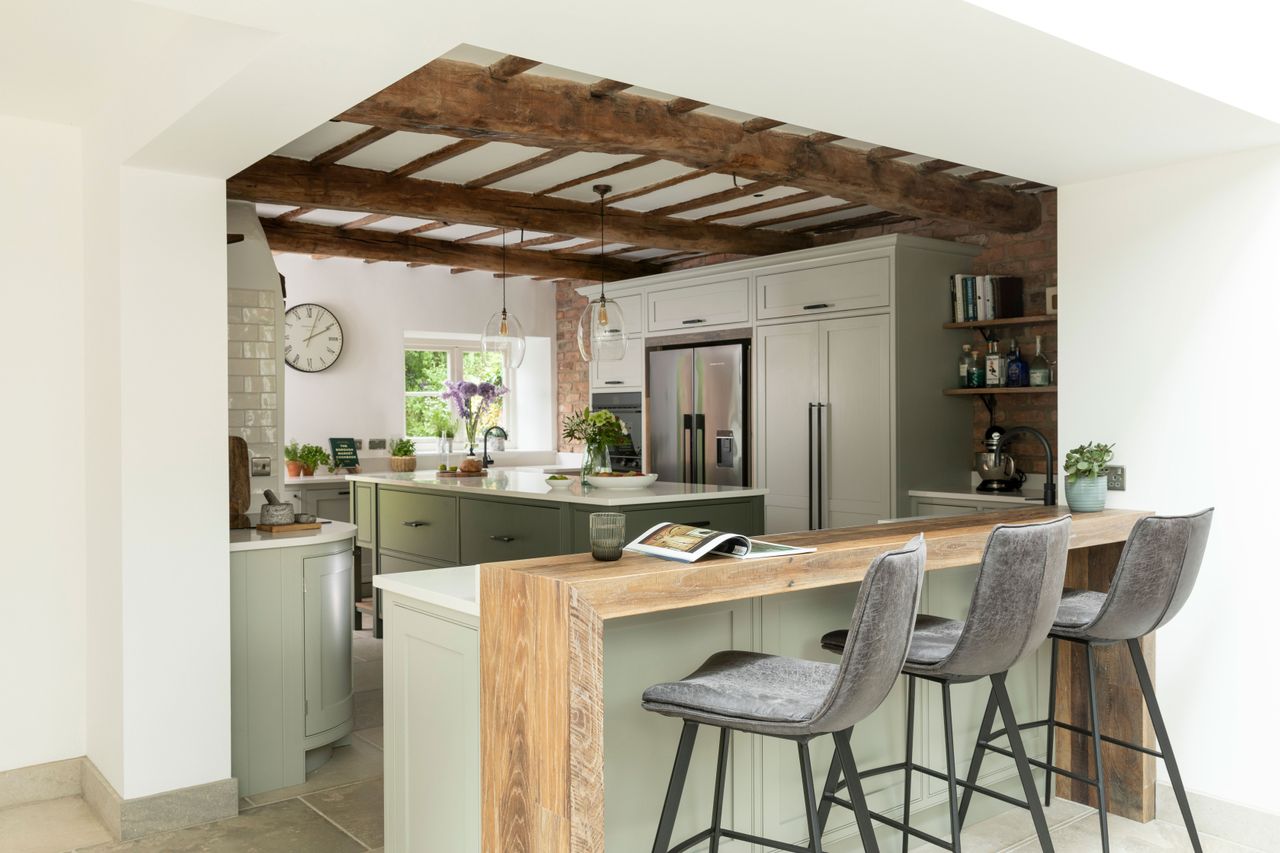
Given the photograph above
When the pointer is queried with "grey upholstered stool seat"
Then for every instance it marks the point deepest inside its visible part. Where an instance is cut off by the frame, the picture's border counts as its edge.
(796, 699)
(1015, 599)
(1153, 579)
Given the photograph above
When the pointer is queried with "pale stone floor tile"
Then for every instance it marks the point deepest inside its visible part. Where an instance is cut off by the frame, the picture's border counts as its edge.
(367, 675)
(368, 712)
(1013, 826)
(365, 648)
(356, 808)
(50, 826)
(283, 827)
(357, 762)
(373, 736)
(1082, 836)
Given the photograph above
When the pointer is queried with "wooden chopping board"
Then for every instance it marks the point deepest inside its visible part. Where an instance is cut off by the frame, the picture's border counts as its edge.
(238, 476)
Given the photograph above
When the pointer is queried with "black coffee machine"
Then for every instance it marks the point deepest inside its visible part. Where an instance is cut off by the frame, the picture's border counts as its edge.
(1004, 477)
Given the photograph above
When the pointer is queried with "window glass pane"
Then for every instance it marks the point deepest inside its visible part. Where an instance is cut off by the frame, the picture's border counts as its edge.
(417, 416)
(485, 367)
(425, 370)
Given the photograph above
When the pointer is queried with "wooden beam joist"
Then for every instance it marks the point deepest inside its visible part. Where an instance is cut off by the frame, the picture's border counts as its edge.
(460, 99)
(605, 88)
(660, 185)
(426, 161)
(365, 220)
(509, 66)
(714, 198)
(369, 245)
(346, 149)
(290, 215)
(606, 172)
(755, 125)
(770, 204)
(520, 168)
(281, 180)
(676, 106)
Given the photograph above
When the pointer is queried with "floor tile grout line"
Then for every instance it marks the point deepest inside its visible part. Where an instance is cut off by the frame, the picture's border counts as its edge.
(335, 823)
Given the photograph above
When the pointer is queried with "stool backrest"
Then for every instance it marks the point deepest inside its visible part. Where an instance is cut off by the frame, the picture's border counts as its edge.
(1015, 599)
(879, 635)
(1157, 570)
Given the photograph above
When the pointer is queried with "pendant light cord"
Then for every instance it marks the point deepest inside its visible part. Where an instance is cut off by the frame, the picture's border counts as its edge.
(504, 270)
(602, 245)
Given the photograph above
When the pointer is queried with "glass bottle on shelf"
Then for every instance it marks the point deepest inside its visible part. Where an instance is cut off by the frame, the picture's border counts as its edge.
(1017, 368)
(997, 366)
(977, 369)
(1039, 372)
(966, 360)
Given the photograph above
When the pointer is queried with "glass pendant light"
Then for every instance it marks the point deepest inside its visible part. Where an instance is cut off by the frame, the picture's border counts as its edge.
(602, 332)
(503, 333)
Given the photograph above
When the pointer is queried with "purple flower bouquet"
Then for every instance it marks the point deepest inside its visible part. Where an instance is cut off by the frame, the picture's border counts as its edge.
(470, 401)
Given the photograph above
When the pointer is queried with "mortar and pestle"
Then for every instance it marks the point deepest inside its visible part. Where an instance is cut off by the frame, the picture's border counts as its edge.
(275, 511)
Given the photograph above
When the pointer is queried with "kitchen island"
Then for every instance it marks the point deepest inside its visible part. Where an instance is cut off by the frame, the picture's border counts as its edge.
(522, 681)
(419, 520)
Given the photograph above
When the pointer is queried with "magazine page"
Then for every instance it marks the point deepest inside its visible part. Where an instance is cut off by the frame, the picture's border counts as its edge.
(754, 549)
(682, 542)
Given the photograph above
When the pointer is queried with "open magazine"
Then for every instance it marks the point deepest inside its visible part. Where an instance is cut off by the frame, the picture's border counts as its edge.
(686, 543)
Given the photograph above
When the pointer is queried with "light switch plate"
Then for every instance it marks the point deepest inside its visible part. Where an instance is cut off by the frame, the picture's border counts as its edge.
(1115, 478)
(359, 444)
(260, 466)
(377, 444)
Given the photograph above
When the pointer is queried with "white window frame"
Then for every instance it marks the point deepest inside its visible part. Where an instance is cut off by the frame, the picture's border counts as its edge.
(454, 349)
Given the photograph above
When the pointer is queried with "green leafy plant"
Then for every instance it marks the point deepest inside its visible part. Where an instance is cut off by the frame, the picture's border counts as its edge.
(312, 456)
(1087, 460)
(593, 428)
(293, 451)
(403, 447)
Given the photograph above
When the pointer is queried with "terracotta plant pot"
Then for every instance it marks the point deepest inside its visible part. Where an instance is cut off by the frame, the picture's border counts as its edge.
(308, 470)
(294, 467)
(403, 464)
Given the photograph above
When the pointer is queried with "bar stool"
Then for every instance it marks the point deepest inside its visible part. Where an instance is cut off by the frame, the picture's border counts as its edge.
(1157, 569)
(796, 699)
(1014, 601)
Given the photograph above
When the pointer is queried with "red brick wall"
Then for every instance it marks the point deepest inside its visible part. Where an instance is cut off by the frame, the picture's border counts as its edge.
(1032, 255)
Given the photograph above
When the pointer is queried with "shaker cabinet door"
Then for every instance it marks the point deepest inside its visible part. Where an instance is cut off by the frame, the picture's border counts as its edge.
(786, 388)
(327, 615)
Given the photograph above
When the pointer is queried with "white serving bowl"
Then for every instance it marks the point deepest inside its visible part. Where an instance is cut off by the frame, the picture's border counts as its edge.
(560, 484)
(642, 482)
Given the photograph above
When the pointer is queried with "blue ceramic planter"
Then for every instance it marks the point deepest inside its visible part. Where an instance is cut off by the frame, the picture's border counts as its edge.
(1087, 494)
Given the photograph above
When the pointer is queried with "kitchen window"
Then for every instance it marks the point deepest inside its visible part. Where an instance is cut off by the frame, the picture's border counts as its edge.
(428, 365)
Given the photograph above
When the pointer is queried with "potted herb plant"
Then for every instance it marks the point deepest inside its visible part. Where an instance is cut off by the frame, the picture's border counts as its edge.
(312, 456)
(1086, 470)
(293, 458)
(403, 455)
(596, 431)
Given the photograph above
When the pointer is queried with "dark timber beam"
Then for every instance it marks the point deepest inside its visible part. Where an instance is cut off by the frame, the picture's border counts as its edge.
(463, 100)
(281, 180)
(305, 239)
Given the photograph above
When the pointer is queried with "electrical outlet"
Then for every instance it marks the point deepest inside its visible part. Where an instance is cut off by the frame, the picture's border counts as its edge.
(260, 466)
(377, 444)
(1115, 478)
(359, 444)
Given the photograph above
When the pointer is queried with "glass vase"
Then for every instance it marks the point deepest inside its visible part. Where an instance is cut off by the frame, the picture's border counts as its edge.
(595, 459)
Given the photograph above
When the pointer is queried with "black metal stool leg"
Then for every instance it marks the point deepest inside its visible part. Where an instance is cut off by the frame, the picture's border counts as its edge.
(830, 787)
(952, 797)
(1020, 759)
(1162, 738)
(1053, 718)
(844, 754)
(810, 799)
(717, 805)
(906, 784)
(1096, 725)
(979, 752)
(662, 841)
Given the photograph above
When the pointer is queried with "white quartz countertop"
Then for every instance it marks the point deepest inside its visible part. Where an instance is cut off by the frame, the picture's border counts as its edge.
(251, 539)
(526, 484)
(1026, 496)
(456, 588)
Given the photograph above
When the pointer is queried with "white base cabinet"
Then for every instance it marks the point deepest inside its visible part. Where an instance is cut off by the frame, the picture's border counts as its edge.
(431, 673)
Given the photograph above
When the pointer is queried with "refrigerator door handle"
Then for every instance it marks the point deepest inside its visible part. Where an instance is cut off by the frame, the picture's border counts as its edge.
(688, 431)
(821, 461)
(811, 409)
(700, 446)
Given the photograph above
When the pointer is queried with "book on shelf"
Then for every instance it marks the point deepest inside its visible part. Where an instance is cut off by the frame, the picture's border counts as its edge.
(687, 543)
(975, 298)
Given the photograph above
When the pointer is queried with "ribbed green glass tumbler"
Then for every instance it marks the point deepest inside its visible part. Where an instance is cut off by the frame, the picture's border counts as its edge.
(608, 535)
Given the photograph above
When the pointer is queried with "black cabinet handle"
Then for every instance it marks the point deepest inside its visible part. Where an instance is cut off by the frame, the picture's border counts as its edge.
(344, 494)
(815, 306)
(503, 538)
(613, 382)
(415, 523)
(692, 322)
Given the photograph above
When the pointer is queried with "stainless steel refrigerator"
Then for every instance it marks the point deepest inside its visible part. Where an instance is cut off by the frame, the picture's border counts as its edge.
(698, 421)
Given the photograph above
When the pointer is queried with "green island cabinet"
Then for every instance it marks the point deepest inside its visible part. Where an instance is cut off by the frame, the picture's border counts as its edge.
(410, 526)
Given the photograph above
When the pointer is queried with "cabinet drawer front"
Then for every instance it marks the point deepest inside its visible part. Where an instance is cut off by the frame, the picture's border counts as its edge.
(714, 304)
(389, 564)
(417, 523)
(846, 286)
(493, 531)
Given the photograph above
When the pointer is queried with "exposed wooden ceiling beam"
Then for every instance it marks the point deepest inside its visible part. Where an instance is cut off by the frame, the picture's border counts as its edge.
(579, 248)
(880, 217)
(543, 241)
(290, 215)
(385, 246)
(609, 171)
(509, 66)
(605, 88)
(712, 198)
(460, 270)
(660, 185)
(676, 106)
(808, 214)
(282, 180)
(481, 235)
(930, 166)
(755, 125)
(884, 152)
(520, 168)
(352, 145)
(420, 229)
(426, 161)
(769, 204)
(365, 220)
(460, 99)
(821, 137)
(981, 175)
(417, 264)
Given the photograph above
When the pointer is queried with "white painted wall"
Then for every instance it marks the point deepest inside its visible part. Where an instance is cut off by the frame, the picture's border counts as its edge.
(362, 395)
(1170, 294)
(42, 353)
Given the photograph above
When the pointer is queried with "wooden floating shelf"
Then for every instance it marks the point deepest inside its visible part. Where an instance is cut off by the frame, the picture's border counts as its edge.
(1004, 321)
(982, 392)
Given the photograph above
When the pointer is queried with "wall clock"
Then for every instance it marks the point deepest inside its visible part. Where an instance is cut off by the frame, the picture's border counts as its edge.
(312, 338)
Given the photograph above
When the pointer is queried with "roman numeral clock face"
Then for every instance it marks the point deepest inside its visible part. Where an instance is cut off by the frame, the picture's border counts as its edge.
(312, 338)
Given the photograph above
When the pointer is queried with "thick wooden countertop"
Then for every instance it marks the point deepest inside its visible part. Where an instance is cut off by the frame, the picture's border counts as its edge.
(642, 584)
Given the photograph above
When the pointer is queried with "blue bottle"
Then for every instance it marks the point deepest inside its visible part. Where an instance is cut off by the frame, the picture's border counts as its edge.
(1019, 375)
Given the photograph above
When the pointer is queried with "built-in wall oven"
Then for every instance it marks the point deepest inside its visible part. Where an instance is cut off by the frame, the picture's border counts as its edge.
(627, 455)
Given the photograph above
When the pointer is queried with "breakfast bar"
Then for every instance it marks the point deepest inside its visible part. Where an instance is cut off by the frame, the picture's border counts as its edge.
(543, 671)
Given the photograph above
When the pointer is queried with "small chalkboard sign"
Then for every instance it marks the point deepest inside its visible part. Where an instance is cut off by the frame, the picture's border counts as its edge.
(344, 452)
